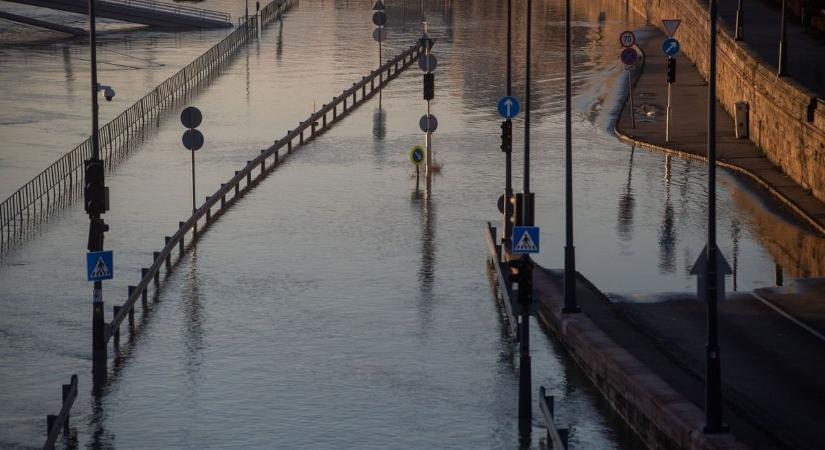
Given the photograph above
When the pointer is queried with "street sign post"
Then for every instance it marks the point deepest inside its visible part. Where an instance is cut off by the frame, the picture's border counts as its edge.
(508, 107)
(525, 240)
(670, 47)
(671, 25)
(627, 39)
(100, 266)
(630, 57)
(192, 139)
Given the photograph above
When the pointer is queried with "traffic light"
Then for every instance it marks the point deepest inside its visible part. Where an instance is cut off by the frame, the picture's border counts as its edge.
(506, 136)
(671, 70)
(95, 193)
(429, 86)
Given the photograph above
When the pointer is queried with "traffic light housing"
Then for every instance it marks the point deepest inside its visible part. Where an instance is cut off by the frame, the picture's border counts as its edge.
(95, 193)
(507, 136)
(429, 86)
(671, 70)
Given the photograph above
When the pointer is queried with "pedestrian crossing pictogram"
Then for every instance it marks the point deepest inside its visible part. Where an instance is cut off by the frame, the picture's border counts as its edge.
(100, 266)
(100, 270)
(526, 240)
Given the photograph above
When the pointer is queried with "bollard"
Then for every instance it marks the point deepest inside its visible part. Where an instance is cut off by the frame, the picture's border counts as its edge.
(131, 311)
(116, 309)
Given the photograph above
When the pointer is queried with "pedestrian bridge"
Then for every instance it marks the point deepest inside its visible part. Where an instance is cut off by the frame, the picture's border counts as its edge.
(147, 12)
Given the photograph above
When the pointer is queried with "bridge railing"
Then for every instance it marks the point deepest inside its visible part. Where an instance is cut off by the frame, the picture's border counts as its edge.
(59, 184)
(181, 10)
(243, 180)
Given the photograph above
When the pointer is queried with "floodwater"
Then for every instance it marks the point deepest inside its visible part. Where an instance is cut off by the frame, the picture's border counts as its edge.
(332, 307)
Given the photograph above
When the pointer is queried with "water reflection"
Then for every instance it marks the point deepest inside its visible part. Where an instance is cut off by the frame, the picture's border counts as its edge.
(193, 318)
(667, 234)
(624, 223)
(426, 271)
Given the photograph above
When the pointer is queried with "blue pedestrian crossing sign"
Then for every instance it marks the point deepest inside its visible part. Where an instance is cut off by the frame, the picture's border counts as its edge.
(670, 47)
(525, 240)
(508, 107)
(100, 265)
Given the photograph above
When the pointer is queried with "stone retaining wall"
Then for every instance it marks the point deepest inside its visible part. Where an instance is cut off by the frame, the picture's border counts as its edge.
(786, 121)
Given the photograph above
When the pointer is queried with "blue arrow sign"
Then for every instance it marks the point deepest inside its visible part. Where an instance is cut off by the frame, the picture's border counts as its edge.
(670, 46)
(100, 265)
(525, 240)
(508, 107)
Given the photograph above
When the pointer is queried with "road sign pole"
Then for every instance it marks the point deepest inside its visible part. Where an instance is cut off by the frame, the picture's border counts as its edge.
(783, 45)
(525, 391)
(740, 22)
(570, 303)
(667, 116)
(630, 89)
(193, 181)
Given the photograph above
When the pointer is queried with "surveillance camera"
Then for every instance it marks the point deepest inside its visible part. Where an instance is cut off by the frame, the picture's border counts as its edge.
(108, 93)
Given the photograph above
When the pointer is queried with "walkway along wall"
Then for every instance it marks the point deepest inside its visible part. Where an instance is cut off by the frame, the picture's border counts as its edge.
(60, 183)
(786, 120)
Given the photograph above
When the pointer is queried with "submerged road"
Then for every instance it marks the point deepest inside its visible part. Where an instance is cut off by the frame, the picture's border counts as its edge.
(331, 306)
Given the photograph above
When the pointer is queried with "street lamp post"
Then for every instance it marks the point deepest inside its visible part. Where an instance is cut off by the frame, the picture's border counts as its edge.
(740, 22)
(570, 305)
(713, 381)
(783, 44)
(508, 159)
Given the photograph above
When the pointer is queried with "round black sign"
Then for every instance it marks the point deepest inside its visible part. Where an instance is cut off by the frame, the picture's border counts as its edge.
(379, 18)
(191, 117)
(192, 139)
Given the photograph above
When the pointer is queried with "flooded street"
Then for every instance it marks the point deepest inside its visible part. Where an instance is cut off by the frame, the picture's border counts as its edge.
(332, 307)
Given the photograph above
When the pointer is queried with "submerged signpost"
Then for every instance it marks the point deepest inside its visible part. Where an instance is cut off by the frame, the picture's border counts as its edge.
(191, 118)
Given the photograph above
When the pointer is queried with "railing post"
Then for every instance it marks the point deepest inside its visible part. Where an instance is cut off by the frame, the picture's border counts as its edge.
(208, 211)
(116, 331)
(237, 185)
(166, 240)
(131, 311)
(155, 256)
(182, 238)
(65, 391)
(248, 174)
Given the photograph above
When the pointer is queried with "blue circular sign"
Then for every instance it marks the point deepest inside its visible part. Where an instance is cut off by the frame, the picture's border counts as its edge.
(670, 46)
(629, 56)
(508, 107)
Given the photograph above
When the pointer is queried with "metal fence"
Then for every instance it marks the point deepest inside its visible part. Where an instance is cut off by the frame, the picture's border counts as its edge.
(60, 183)
(246, 178)
(176, 9)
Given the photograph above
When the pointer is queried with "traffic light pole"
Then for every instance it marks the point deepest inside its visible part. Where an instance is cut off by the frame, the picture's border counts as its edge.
(508, 154)
(96, 225)
(527, 208)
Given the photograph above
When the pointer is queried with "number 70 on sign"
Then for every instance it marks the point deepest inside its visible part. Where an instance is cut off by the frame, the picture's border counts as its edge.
(627, 39)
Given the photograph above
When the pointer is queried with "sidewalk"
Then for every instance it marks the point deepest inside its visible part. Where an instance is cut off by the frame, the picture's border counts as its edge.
(688, 131)
(774, 396)
(806, 52)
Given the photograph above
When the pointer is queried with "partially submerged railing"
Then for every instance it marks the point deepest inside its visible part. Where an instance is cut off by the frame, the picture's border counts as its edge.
(180, 10)
(502, 283)
(556, 437)
(232, 190)
(59, 184)
(54, 423)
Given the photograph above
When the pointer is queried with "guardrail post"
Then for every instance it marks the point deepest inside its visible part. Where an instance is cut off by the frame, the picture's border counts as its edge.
(345, 103)
(116, 331)
(208, 211)
(66, 392)
(166, 240)
(301, 139)
(324, 120)
(237, 185)
(248, 174)
(155, 256)
(131, 311)
(182, 238)
(143, 293)
(312, 129)
(334, 111)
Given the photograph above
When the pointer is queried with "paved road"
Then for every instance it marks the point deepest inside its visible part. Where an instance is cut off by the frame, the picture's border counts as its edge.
(806, 51)
(771, 368)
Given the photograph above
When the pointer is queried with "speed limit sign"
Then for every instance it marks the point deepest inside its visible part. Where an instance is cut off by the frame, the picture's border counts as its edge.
(627, 39)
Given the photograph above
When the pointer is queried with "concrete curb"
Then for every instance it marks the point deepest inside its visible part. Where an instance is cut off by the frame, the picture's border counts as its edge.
(662, 417)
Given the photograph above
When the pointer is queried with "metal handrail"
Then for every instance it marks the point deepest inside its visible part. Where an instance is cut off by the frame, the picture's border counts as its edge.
(61, 420)
(181, 10)
(233, 183)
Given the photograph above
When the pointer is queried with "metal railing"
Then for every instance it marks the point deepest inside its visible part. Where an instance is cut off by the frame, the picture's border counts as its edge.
(54, 423)
(232, 190)
(556, 437)
(180, 10)
(59, 184)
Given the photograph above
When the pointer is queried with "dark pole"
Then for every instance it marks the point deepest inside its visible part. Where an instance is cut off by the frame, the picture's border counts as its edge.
(783, 45)
(570, 305)
(508, 159)
(194, 208)
(713, 392)
(96, 225)
(527, 214)
(525, 397)
(740, 22)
